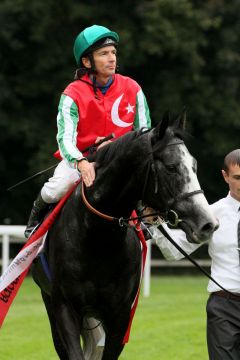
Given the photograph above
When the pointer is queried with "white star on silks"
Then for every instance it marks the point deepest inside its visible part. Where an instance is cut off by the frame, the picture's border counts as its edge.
(129, 108)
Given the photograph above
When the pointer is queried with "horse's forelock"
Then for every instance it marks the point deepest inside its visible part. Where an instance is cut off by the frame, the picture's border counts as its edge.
(171, 132)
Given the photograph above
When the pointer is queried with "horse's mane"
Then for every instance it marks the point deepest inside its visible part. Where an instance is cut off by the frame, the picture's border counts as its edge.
(119, 146)
(163, 135)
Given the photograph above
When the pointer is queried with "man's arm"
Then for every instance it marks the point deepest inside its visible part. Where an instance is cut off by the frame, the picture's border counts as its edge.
(168, 249)
(67, 122)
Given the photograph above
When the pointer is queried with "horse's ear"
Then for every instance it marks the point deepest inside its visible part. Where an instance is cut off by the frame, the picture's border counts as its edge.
(181, 120)
(162, 126)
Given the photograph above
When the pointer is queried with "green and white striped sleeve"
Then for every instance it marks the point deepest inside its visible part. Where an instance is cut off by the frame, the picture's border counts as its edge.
(67, 121)
(142, 117)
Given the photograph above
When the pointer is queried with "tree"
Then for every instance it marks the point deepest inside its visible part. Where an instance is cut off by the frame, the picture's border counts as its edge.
(183, 53)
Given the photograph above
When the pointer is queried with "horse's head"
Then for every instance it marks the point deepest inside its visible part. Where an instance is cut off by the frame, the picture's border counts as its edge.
(173, 186)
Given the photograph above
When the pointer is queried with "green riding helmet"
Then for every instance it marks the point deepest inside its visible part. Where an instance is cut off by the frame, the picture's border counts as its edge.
(89, 37)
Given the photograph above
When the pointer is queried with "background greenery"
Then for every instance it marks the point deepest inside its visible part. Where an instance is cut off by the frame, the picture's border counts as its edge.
(170, 324)
(182, 52)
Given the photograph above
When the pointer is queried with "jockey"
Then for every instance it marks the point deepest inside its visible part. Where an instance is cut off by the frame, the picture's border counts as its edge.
(97, 103)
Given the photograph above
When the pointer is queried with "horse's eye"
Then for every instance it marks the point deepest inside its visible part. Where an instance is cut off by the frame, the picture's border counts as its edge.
(171, 168)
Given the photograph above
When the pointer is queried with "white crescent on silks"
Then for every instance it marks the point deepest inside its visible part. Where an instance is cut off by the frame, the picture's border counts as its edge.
(115, 115)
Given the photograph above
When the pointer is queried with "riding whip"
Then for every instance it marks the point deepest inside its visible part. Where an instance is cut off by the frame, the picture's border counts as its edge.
(90, 148)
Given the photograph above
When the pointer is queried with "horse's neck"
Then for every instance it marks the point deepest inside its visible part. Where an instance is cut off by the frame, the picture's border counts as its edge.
(115, 192)
(119, 182)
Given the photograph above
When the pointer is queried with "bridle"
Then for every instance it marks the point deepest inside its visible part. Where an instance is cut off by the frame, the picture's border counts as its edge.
(151, 166)
(169, 216)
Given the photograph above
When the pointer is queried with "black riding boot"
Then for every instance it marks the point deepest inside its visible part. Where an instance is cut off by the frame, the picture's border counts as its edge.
(39, 210)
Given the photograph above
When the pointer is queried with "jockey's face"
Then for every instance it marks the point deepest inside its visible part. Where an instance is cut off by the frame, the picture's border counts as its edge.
(105, 60)
(232, 178)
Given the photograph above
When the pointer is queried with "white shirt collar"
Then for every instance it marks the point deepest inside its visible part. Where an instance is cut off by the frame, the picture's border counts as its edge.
(233, 202)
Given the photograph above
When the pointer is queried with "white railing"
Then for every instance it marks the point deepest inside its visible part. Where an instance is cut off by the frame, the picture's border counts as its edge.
(150, 263)
(10, 234)
(147, 271)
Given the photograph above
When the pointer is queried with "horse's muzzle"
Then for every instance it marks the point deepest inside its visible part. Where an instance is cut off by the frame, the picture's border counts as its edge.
(201, 234)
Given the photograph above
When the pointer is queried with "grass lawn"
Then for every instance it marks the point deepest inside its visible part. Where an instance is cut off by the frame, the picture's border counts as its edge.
(169, 325)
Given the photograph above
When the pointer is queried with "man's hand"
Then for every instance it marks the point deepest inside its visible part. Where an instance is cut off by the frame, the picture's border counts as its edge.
(150, 219)
(87, 171)
(99, 138)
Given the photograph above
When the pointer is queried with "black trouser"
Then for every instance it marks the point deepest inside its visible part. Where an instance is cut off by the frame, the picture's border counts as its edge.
(223, 328)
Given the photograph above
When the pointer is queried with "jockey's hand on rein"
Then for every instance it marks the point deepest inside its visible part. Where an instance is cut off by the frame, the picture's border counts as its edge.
(87, 171)
(99, 138)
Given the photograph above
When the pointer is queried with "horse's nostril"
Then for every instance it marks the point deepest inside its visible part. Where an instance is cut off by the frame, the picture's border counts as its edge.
(209, 227)
(216, 226)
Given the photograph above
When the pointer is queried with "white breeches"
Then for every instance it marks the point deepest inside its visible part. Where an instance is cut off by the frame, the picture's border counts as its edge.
(57, 186)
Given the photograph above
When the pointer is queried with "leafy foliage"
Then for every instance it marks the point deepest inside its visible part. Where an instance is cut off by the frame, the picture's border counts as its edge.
(183, 53)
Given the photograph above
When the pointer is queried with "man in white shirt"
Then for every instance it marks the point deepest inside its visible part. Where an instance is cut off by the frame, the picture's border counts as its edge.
(223, 309)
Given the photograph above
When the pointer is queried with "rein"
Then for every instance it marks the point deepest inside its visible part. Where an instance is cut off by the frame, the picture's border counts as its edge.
(170, 217)
(121, 221)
